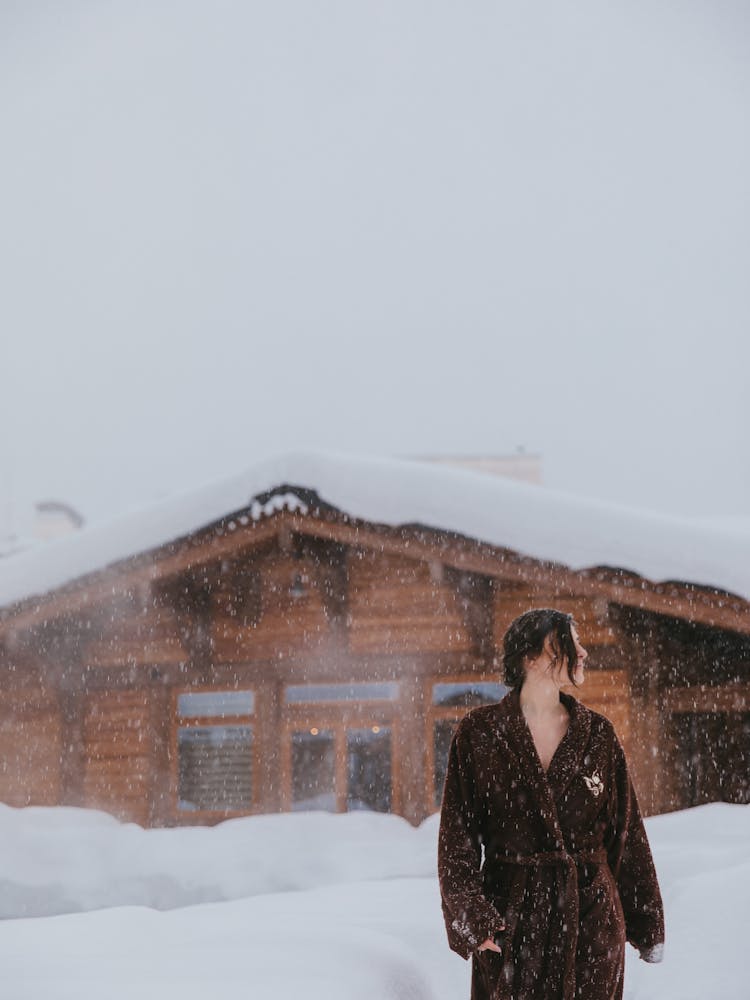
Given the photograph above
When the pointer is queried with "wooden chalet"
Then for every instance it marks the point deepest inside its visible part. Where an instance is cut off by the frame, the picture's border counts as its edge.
(290, 654)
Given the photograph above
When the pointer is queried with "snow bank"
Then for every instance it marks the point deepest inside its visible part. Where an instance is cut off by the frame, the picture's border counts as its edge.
(381, 939)
(369, 941)
(539, 522)
(62, 860)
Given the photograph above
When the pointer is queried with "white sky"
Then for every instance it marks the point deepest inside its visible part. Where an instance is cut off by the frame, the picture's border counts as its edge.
(229, 229)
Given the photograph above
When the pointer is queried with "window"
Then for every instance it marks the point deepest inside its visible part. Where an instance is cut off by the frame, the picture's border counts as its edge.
(197, 704)
(376, 691)
(711, 756)
(314, 769)
(215, 757)
(467, 694)
(368, 763)
(442, 734)
(339, 746)
(337, 766)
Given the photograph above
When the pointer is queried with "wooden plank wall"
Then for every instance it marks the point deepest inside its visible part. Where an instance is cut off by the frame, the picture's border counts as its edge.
(607, 692)
(30, 748)
(118, 741)
(285, 625)
(400, 605)
(394, 605)
(590, 613)
(136, 634)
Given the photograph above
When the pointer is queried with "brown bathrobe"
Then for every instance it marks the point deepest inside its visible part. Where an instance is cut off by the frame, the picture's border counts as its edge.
(567, 863)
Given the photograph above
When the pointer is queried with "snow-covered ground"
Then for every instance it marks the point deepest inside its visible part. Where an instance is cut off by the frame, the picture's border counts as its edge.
(315, 905)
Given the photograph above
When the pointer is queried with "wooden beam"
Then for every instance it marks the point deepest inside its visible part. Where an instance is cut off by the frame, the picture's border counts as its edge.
(166, 562)
(329, 560)
(475, 598)
(708, 698)
(316, 663)
(191, 598)
(72, 753)
(705, 605)
(161, 702)
(412, 758)
(269, 732)
(243, 598)
(641, 659)
(700, 604)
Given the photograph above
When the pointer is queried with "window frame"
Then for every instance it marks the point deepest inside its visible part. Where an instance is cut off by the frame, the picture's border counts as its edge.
(436, 713)
(340, 717)
(339, 702)
(179, 722)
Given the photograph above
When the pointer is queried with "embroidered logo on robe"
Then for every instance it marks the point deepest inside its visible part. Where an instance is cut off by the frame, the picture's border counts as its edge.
(594, 783)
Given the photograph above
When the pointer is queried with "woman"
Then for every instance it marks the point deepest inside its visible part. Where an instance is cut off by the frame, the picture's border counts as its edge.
(541, 783)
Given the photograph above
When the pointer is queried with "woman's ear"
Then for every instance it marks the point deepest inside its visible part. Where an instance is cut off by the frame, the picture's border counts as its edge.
(549, 646)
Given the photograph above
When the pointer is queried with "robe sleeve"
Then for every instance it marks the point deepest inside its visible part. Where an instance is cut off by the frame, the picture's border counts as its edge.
(469, 916)
(632, 865)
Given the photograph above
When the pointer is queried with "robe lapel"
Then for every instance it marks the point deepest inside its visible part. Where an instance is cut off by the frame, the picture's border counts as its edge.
(569, 755)
(530, 766)
(547, 788)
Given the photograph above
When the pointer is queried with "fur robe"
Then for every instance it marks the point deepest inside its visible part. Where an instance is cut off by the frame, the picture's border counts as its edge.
(567, 863)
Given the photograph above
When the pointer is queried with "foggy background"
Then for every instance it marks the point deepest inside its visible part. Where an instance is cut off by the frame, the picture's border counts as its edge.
(395, 228)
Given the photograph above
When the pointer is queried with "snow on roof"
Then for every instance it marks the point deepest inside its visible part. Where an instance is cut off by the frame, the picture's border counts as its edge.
(533, 520)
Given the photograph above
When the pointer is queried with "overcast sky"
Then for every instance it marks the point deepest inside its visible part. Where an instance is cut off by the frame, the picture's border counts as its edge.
(229, 229)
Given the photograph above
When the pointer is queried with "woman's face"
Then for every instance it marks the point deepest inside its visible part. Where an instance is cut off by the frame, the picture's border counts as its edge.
(560, 672)
(581, 654)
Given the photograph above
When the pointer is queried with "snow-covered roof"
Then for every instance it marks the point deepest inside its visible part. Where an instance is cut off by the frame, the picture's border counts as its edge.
(532, 520)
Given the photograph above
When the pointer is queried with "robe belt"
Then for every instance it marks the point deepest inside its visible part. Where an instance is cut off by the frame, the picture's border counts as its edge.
(593, 855)
(564, 936)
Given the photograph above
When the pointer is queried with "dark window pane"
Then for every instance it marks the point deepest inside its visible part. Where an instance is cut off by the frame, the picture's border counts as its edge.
(376, 691)
(314, 770)
(215, 767)
(442, 734)
(197, 704)
(368, 760)
(711, 759)
(468, 694)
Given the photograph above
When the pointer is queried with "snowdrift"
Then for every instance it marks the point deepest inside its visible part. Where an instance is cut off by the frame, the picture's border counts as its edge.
(322, 906)
(63, 860)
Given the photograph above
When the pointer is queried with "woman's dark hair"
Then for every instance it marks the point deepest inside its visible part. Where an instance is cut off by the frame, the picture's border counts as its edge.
(525, 638)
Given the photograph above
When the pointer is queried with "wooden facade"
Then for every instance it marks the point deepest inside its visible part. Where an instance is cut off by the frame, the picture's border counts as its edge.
(314, 661)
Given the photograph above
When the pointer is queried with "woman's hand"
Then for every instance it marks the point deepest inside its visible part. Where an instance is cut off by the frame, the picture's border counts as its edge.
(653, 954)
(489, 944)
